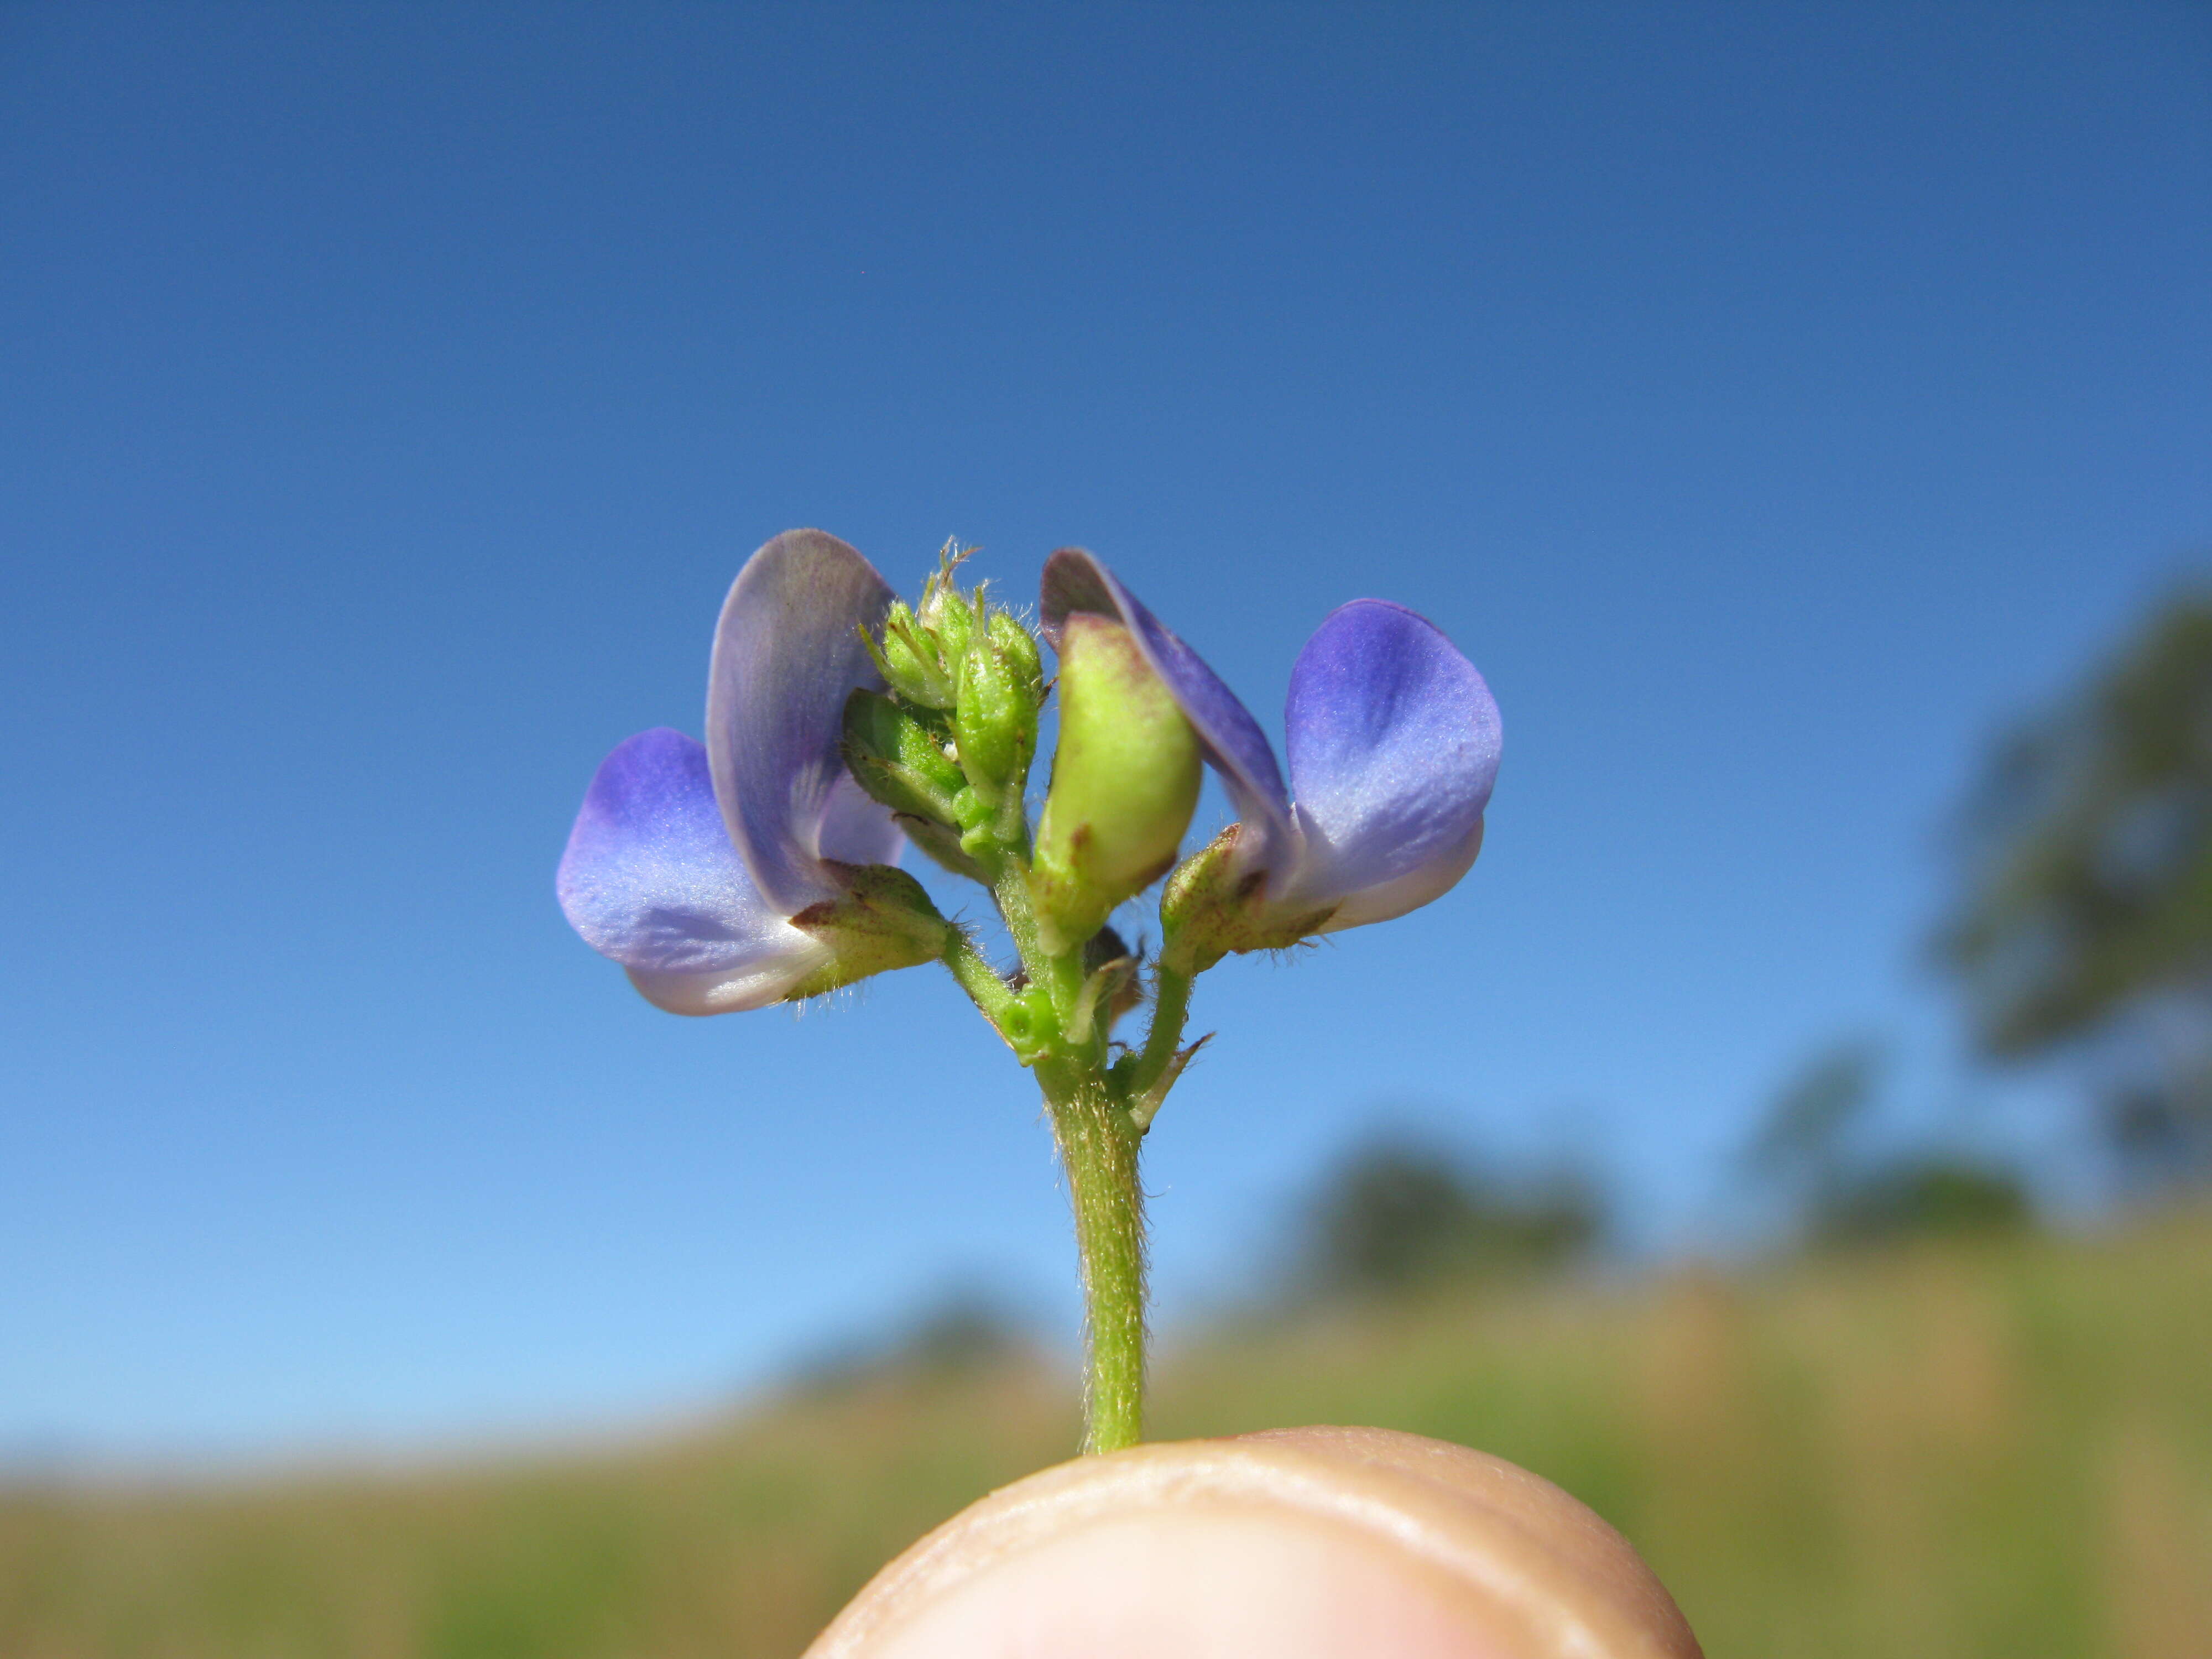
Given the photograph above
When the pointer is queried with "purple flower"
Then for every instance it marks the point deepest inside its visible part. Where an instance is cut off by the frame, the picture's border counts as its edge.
(708, 871)
(1392, 744)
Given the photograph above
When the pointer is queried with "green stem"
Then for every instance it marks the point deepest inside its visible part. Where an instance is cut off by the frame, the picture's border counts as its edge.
(1060, 974)
(1171, 1008)
(1098, 1150)
(1098, 1139)
(978, 978)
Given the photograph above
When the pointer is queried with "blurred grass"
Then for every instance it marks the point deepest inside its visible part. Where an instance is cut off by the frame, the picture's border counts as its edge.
(2001, 1447)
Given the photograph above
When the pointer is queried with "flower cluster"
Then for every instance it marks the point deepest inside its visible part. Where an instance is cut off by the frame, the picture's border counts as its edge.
(752, 870)
(761, 867)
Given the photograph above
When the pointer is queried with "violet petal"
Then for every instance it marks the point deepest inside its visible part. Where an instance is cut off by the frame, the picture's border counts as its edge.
(788, 653)
(1393, 744)
(650, 878)
(856, 828)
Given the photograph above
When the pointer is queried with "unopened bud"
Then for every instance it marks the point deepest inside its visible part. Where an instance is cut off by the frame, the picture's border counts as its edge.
(908, 659)
(897, 759)
(995, 719)
(1019, 648)
(1125, 782)
(948, 617)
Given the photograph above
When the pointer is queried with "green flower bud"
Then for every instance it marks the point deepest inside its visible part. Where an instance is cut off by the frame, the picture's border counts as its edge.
(945, 616)
(1019, 648)
(898, 760)
(909, 659)
(1125, 782)
(995, 719)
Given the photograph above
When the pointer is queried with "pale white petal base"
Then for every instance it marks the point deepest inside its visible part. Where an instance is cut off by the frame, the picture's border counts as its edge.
(756, 983)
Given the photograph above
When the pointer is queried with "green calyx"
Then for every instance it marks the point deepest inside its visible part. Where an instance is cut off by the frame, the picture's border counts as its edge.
(882, 920)
(1210, 908)
(1125, 782)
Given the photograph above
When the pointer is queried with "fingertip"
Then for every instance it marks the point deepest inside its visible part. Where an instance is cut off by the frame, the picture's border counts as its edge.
(1302, 1544)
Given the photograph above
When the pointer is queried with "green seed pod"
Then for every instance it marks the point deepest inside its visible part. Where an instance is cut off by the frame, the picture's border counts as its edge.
(1125, 782)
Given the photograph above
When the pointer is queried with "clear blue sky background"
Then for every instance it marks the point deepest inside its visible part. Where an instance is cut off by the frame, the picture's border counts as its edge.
(1772, 401)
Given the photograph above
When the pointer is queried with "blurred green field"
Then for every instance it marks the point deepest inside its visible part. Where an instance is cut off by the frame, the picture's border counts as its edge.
(1995, 1448)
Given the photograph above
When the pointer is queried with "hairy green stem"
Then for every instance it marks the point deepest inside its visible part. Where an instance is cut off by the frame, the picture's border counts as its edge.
(1059, 973)
(1171, 1008)
(1098, 1151)
(978, 978)
(1097, 1136)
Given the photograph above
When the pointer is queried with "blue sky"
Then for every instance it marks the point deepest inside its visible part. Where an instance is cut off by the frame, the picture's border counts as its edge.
(1771, 401)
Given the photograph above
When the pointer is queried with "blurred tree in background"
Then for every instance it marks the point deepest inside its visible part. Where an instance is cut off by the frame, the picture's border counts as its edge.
(963, 1330)
(2085, 924)
(1801, 1151)
(1810, 1156)
(1395, 1214)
